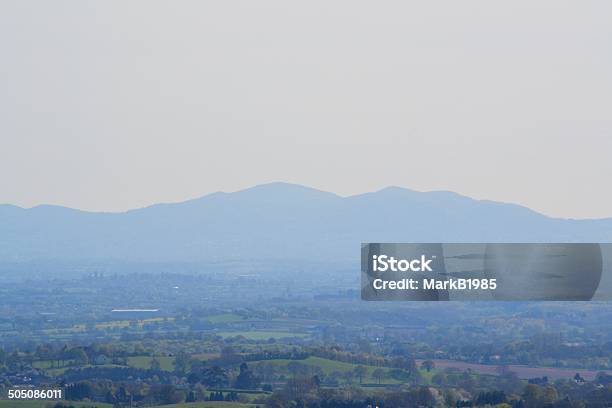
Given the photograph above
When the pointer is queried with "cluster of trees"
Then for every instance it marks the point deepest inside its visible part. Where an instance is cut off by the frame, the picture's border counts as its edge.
(59, 356)
(271, 372)
(542, 348)
(109, 392)
(218, 377)
(246, 380)
(505, 380)
(491, 398)
(124, 394)
(403, 369)
(305, 392)
(298, 384)
(217, 396)
(214, 376)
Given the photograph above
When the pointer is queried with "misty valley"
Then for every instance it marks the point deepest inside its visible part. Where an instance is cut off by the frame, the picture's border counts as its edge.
(253, 299)
(268, 334)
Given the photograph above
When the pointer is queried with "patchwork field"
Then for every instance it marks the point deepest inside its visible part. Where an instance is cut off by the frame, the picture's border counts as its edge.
(224, 318)
(261, 335)
(328, 366)
(144, 362)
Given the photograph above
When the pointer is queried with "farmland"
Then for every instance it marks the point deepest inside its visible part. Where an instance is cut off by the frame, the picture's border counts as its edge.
(201, 346)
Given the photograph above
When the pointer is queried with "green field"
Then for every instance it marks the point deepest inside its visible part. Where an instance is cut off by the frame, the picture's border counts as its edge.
(328, 366)
(144, 362)
(52, 364)
(323, 363)
(54, 372)
(261, 335)
(110, 325)
(224, 318)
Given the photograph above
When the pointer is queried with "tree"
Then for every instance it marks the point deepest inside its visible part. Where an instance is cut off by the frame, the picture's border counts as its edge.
(334, 377)
(348, 376)
(167, 394)
(193, 378)
(298, 387)
(215, 377)
(182, 362)
(265, 370)
(360, 372)
(379, 374)
(467, 381)
(405, 363)
(491, 398)
(80, 356)
(531, 395)
(122, 395)
(425, 398)
(229, 356)
(439, 379)
(549, 395)
(399, 375)
(80, 390)
(155, 364)
(278, 400)
(191, 397)
(296, 368)
(246, 379)
(428, 365)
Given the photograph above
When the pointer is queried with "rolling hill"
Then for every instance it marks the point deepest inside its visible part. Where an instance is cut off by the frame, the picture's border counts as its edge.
(276, 221)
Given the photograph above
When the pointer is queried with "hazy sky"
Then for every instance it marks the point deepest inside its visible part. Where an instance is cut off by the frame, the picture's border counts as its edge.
(110, 105)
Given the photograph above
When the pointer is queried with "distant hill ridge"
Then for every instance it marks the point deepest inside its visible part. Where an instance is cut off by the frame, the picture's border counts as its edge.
(277, 221)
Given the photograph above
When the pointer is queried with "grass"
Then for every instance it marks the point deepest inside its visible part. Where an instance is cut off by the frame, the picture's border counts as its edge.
(52, 364)
(328, 366)
(224, 318)
(261, 335)
(110, 325)
(54, 372)
(427, 375)
(144, 362)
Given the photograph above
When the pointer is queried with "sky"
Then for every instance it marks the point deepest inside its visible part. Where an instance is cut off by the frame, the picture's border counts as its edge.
(112, 105)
